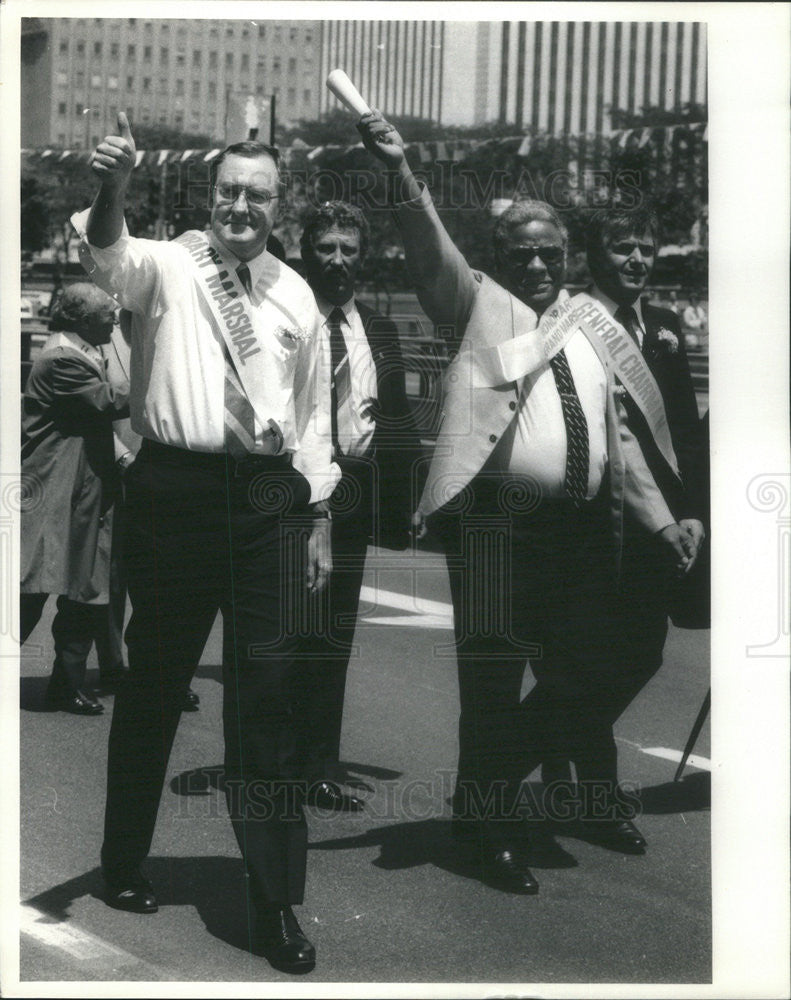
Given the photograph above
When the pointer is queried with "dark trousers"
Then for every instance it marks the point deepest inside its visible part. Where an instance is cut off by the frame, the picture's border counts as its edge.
(530, 580)
(75, 628)
(328, 649)
(203, 534)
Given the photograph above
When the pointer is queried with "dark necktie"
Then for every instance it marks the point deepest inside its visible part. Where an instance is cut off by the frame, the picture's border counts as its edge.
(239, 414)
(627, 317)
(577, 448)
(341, 383)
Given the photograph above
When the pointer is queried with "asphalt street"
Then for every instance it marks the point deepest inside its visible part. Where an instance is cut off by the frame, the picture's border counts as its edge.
(390, 897)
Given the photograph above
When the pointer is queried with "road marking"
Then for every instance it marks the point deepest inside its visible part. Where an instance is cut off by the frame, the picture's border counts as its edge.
(77, 943)
(424, 613)
(675, 755)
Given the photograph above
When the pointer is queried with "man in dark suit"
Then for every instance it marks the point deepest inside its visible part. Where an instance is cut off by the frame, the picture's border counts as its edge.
(71, 482)
(376, 445)
(621, 249)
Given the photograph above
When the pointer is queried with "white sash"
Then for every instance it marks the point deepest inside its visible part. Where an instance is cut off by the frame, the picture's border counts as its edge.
(229, 303)
(630, 367)
(514, 358)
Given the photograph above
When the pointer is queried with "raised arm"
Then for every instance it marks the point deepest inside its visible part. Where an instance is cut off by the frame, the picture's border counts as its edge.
(112, 162)
(443, 280)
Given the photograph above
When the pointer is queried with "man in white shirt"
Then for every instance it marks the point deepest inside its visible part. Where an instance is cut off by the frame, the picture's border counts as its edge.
(694, 315)
(531, 457)
(231, 397)
(376, 445)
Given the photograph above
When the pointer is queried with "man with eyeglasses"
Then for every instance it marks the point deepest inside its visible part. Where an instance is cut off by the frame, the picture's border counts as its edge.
(225, 508)
(531, 473)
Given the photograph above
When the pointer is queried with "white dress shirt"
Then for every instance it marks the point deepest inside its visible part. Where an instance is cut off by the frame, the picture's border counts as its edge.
(612, 307)
(534, 445)
(178, 355)
(355, 424)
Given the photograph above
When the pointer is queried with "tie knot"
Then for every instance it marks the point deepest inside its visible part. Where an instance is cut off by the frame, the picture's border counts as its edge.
(337, 316)
(625, 315)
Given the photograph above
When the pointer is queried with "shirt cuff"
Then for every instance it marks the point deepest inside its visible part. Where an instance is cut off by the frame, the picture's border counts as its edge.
(79, 221)
(322, 485)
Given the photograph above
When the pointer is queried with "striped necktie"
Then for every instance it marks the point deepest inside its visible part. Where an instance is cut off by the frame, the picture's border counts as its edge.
(577, 448)
(341, 386)
(239, 416)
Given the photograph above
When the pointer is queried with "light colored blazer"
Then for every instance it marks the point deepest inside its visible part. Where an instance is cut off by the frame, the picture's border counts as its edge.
(483, 314)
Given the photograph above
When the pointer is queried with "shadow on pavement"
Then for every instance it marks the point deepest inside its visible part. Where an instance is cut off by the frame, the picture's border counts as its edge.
(31, 694)
(215, 886)
(430, 842)
(691, 793)
(203, 780)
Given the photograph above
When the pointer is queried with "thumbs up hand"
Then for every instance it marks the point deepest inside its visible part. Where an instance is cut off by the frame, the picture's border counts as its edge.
(113, 159)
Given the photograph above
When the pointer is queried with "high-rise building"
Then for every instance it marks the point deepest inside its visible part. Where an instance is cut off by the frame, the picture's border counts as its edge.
(569, 76)
(396, 65)
(77, 73)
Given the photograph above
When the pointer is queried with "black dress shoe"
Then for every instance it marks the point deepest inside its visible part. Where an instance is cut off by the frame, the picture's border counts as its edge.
(505, 867)
(616, 834)
(131, 892)
(282, 940)
(77, 702)
(191, 701)
(326, 795)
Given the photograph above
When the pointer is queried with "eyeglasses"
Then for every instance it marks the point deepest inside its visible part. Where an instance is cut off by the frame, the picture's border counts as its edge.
(521, 256)
(228, 193)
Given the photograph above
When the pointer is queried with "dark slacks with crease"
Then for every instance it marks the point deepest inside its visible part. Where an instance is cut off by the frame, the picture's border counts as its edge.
(328, 649)
(203, 534)
(530, 580)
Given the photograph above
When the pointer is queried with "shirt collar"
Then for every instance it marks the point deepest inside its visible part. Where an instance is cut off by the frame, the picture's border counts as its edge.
(257, 266)
(325, 308)
(612, 306)
(92, 353)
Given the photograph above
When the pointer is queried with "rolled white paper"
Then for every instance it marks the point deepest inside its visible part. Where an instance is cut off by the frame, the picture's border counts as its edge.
(343, 88)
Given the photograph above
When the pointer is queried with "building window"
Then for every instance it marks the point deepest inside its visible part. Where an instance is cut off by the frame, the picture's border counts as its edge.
(308, 36)
(262, 31)
(306, 96)
(78, 108)
(245, 33)
(164, 54)
(196, 58)
(260, 64)
(130, 83)
(130, 52)
(63, 79)
(276, 64)
(62, 108)
(229, 32)
(115, 50)
(275, 91)
(97, 48)
(212, 88)
(61, 138)
(259, 89)
(292, 66)
(180, 87)
(180, 59)
(79, 78)
(228, 59)
(212, 60)
(94, 140)
(245, 61)
(292, 96)
(292, 34)
(146, 84)
(147, 53)
(196, 88)
(80, 48)
(112, 83)
(64, 48)
(96, 80)
(179, 119)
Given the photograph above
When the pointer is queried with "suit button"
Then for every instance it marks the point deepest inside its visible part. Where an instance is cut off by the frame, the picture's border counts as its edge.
(492, 438)
(512, 405)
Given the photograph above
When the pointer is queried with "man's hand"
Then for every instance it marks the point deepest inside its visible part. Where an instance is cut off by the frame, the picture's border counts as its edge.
(319, 554)
(381, 139)
(113, 160)
(419, 528)
(678, 547)
(696, 533)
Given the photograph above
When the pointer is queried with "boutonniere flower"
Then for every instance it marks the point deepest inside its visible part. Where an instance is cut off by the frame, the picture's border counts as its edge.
(667, 340)
(620, 391)
(291, 333)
